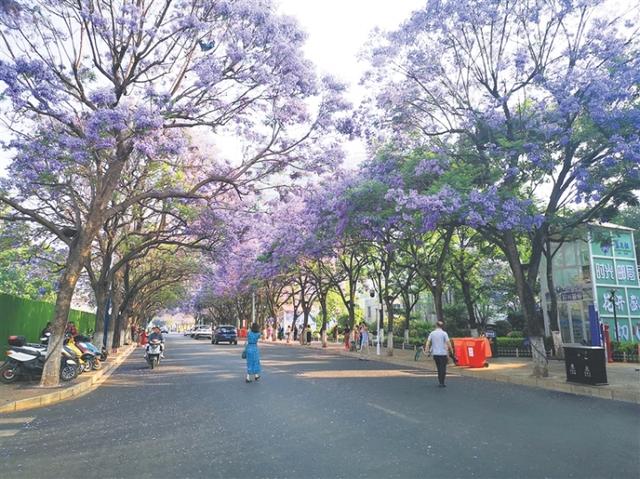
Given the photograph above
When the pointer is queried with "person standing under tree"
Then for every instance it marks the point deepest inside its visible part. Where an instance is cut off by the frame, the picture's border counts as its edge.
(438, 345)
(364, 341)
(347, 338)
(253, 354)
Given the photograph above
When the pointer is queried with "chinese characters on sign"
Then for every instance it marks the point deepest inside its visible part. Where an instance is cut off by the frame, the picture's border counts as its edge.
(604, 271)
(607, 304)
(615, 273)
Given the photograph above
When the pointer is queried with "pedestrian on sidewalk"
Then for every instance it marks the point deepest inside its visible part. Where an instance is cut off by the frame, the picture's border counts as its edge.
(253, 354)
(364, 341)
(347, 338)
(355, 337)
(288, 334)
(309, 335)
(142, 337)
(438, 345)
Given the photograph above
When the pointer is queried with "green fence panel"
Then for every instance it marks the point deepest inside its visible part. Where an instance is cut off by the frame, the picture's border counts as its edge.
(28, 318)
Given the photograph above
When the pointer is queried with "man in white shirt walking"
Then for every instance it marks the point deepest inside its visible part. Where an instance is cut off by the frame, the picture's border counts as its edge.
(438, 345)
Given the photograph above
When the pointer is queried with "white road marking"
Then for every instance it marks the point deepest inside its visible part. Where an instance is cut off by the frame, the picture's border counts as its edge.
(394, 413)
(16, 420)
(23, 421)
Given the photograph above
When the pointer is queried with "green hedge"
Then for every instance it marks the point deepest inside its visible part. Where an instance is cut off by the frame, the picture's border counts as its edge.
(27, 318)
(628, 347)
(510, 342)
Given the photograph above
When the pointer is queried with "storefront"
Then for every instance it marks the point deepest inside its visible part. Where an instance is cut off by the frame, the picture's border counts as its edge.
(599, 269)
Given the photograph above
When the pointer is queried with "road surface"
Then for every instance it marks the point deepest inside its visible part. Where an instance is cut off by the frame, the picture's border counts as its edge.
(315, 415)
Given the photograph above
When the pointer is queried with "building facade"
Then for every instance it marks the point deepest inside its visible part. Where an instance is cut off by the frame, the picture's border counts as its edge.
(600, 270)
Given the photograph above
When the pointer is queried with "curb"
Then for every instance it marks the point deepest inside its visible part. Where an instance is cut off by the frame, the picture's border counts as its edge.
(72, 392)
(602, 392)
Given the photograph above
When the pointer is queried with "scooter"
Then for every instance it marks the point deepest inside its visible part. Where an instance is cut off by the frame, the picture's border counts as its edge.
(28, 360)
(93, 361)
(153, 351)
(87, 341)
(83, 358)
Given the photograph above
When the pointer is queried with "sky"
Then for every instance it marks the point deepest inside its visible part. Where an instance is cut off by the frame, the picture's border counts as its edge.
(337, 31)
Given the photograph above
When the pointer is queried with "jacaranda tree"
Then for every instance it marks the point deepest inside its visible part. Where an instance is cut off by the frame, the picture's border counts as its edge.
(92, 86)
(528, 108)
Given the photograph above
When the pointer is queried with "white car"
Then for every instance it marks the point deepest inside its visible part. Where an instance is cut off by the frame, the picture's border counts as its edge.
(202, 331)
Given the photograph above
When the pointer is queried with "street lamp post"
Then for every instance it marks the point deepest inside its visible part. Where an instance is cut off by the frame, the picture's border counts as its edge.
(612, 298)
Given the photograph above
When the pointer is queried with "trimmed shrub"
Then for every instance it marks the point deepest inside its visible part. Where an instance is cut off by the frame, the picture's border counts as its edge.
(510, 342)
(628, 347)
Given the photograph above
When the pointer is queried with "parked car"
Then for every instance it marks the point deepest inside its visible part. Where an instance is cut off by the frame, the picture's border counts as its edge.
(202, 331)
(225, 333)
(164, 331)
(188, 332)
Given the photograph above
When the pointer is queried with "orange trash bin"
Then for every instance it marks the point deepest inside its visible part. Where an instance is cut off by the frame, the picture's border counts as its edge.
(477, 350)
(460, 351)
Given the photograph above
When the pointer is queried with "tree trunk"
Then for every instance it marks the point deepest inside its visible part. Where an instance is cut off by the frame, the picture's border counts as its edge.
(305, 322)
(528, 304)
(115, 324)
(390, 328)
(101, 292)
(78, 255)
(323, 329)
(407, 316)
(351, 309)
(553, 297)
(75, 261)
(126, 332)
(436, 291)
(468, 301)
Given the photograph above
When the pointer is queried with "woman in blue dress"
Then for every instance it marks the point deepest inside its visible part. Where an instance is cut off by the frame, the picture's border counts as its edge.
(253, 355)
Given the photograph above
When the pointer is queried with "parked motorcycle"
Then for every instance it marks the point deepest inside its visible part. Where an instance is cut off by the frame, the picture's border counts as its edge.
(85, 359)
(28, 360)
(101, 353)
(153, 351)
(90, 355)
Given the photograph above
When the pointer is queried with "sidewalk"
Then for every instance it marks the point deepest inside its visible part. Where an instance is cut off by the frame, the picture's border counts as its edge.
(23, 395)
(623, 378)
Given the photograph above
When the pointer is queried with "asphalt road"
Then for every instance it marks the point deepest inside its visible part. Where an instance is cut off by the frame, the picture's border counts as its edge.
(315, 415)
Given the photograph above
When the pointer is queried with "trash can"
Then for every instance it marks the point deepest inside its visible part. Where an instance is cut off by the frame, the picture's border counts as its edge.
(460, 351)
(478, 350)
(585, 364)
